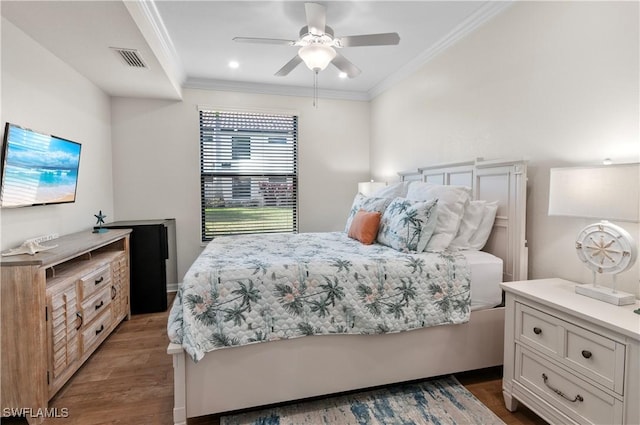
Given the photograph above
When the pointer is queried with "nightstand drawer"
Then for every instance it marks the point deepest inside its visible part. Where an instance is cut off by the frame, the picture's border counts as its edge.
(582, 346)
(570, 395)
(597, 357)
(538, 330)
(588, 353)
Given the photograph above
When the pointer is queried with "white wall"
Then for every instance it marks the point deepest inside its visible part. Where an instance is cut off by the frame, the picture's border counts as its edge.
(552, 82)
(556, 83)
(156, 159)
(41, 92)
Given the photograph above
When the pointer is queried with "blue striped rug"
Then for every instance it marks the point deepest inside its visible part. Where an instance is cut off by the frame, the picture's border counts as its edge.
(436, 401)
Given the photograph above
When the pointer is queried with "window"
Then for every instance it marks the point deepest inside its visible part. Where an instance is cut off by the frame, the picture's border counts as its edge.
(248, 173)
(240, 147)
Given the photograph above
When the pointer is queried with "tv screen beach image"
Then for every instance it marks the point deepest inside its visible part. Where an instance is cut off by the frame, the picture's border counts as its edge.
(39, 169)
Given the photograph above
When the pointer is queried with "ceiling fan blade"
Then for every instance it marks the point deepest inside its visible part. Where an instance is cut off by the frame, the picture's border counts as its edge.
(385, 39)
(346, 66)
(316, 18)
(264, 40)
(289, 66)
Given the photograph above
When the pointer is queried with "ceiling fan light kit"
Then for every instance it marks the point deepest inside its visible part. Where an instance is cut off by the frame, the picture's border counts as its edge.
(317, 56)
(317, 45)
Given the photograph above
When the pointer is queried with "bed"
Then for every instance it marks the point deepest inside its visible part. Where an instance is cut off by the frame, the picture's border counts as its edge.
(222, 377)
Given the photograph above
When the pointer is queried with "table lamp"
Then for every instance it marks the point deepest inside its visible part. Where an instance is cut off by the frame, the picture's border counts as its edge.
(608, 192)
(367, 188)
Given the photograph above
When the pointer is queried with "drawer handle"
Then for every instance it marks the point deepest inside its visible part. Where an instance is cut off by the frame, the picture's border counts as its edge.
(586, 354)
(79, 316)
(560, 393)
(537, 330)
(99, 281)
(98, 306)
(114, 292)
(99, 330)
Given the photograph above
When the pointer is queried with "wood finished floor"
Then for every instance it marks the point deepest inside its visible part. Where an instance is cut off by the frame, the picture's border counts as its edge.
(129, 381)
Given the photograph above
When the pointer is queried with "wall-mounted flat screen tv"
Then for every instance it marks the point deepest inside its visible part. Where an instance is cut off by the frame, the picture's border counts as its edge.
(37, 168)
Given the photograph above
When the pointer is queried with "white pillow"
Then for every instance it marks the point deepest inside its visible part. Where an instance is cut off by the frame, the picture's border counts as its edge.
(395, 190)
(361, 202)
(451, 203)
(469, 224)
(480, 237)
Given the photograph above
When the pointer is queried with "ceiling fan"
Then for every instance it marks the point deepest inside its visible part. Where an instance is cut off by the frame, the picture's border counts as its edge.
(318, 44)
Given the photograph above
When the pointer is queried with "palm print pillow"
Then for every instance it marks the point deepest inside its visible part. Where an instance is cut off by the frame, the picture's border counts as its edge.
(408, 225)
(361, 202)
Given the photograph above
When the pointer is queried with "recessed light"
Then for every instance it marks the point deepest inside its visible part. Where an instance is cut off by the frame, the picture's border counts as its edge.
(342, 75)
(234, 65)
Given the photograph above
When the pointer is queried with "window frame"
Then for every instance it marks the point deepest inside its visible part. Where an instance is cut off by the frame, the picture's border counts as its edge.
(276, 150)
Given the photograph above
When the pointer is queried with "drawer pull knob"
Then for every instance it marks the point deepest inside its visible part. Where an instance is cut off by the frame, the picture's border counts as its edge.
(537, 331)
(79, 316)
(98, 306)
(99, 330)
(99, 281)
(114, 292)
(586, 354)
(560, 393)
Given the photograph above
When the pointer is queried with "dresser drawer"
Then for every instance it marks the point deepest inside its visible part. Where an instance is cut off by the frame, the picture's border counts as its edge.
(538, 330)
(96, 304)
(95, 281)
(575, 398)
(96, 331)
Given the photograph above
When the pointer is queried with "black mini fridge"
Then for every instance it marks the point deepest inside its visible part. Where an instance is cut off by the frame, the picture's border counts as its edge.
(152, 262)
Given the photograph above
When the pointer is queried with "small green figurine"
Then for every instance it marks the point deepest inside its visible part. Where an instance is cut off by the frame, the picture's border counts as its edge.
(99, 223)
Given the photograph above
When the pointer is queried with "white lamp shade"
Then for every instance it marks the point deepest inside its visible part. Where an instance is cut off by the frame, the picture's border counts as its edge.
(317, 56)
(609, 192)
(367, 188)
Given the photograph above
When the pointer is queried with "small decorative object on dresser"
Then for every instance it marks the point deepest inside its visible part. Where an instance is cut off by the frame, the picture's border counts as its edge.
(57, 308)
(571, 359)
(100, 221)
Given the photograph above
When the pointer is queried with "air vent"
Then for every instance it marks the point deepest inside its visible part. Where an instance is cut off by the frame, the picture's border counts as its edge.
(130, 57)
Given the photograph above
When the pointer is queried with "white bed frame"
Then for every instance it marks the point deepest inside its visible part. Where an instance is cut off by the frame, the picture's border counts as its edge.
(272, 372)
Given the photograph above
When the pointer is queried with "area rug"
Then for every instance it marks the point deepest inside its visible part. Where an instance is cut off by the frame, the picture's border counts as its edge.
(436, 401)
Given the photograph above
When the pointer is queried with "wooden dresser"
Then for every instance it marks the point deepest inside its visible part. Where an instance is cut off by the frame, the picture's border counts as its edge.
(57, 307)
(570, 358)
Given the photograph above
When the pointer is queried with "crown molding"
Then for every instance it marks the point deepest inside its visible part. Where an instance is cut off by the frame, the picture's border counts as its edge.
(483, 14)
(272, 89)
(147, 18)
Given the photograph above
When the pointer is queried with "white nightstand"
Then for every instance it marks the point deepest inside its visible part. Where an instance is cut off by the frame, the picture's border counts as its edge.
(569, 358)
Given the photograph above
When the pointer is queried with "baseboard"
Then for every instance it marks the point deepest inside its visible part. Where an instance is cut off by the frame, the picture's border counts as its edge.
(173, 287)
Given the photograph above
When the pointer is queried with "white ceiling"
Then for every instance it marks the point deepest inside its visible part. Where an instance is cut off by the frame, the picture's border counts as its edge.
(189, 43)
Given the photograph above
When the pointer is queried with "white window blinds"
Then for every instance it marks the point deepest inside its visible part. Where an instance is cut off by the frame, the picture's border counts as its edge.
(248, 173)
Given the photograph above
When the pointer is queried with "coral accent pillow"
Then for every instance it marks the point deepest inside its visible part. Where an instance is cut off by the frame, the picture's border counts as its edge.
(364, 226)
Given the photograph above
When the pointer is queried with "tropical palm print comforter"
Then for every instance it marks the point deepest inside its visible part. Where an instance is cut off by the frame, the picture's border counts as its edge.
(247, 289)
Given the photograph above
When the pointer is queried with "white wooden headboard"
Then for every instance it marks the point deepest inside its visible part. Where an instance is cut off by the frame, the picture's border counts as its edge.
(502, 181)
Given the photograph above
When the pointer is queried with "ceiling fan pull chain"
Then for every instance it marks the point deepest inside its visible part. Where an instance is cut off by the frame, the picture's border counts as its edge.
(315, 89)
